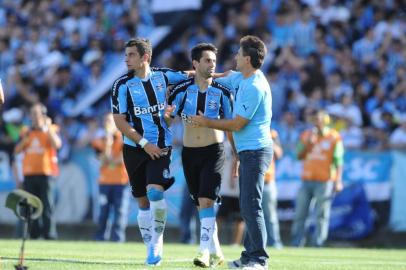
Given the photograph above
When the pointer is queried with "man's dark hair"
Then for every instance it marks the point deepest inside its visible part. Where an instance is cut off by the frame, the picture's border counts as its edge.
(253, 47)
(143, 46)
(198, 50)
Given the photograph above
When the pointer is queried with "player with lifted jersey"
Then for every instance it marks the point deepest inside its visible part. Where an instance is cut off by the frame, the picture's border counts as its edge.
(203, 151)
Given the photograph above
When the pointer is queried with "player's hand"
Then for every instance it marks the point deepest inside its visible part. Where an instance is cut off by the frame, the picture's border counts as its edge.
(199, 120)
(338, 186)
(153, 151)
(168, 111)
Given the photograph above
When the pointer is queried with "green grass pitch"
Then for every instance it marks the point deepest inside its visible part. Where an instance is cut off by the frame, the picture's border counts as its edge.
(58, 255)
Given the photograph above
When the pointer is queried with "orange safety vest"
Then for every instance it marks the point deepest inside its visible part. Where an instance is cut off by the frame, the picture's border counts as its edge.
(112, 174)
(318, 161)
(40, 157)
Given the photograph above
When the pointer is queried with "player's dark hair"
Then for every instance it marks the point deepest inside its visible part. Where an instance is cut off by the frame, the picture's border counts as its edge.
(198, 50)
(143, 46)
(255, 48)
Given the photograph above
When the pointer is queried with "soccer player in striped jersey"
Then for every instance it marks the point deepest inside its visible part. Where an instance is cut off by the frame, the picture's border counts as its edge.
(138, 101)
(203, 151)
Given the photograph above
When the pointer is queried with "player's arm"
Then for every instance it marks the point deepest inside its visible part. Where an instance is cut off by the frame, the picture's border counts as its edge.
(125, 128)
(235, 124)
(244, 108)
(236, 159)
(231, 79)
(121, 122)
(119, 110)
(173, 76)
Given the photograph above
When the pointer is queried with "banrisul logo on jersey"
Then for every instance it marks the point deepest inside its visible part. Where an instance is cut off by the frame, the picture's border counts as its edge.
(150, 109)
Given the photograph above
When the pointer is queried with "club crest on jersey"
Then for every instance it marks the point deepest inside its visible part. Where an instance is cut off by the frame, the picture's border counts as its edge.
(212, 104)
(160, 86)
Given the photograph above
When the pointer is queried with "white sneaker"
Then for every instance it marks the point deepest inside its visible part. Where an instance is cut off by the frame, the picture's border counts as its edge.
(255, 266)
(216, 260)
(202, 259)
(237, 264)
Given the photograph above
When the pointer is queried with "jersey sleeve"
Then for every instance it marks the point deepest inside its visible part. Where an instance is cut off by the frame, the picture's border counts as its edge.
(118, 98)
(172, 76)
(231, 81)
(248, 103)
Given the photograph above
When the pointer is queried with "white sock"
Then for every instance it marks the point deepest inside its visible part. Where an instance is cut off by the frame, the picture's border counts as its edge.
(158, 212)
(215, 243)
(206, 233)
(145, 225)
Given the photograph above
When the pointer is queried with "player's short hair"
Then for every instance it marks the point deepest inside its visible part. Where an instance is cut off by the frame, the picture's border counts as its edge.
(143, 46)
(255, 48)
(198, 50)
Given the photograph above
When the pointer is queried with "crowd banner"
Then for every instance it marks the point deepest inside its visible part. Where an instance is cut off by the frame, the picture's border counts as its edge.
(79, 177)
(372, 169)
(397, 219)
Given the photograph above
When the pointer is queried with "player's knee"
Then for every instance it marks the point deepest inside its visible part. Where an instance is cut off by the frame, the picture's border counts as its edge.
(143, 202)
(155, 194)
(205, 202)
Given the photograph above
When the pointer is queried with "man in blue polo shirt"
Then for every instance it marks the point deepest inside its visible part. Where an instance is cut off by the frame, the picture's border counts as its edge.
(250, 126)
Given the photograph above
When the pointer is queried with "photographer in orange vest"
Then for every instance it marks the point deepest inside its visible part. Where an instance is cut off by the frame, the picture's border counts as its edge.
(38, 145)
(322, 152)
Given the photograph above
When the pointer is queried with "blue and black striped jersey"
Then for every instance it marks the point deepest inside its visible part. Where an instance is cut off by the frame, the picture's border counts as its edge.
(215, 102)
(143, 101)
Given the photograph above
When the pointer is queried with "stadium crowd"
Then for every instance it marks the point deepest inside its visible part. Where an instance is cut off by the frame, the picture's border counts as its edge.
(348, 57)
(54, 52)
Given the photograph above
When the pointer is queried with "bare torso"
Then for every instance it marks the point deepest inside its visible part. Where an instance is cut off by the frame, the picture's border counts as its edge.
(201, 136)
